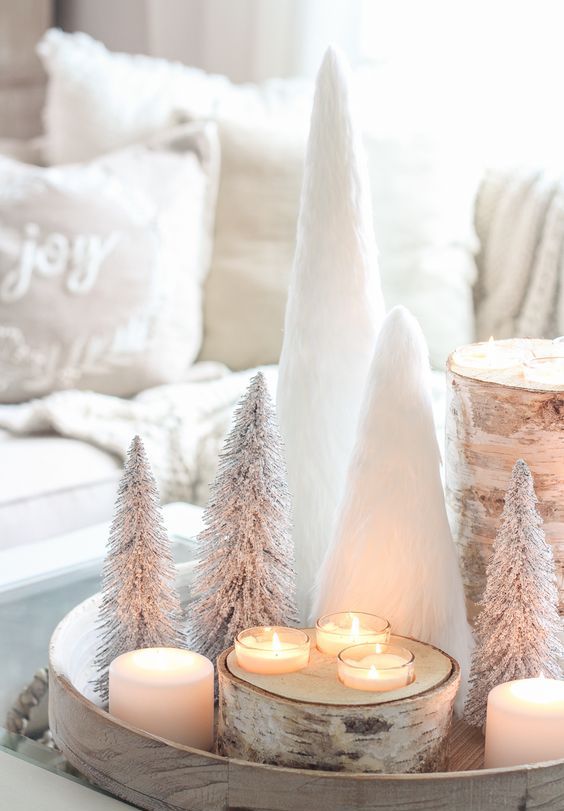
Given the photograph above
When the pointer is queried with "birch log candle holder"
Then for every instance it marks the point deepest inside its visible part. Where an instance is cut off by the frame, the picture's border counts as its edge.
(509, 405)
(310, 719)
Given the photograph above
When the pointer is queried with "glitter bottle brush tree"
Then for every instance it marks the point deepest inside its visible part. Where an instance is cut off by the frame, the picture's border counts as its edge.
(140, 607)
(517, 631)
(245, 576)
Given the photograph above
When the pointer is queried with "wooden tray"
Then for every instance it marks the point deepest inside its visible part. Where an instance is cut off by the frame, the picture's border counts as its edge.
(159, 776)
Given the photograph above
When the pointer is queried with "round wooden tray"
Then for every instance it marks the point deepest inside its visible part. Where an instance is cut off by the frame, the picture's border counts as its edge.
(157, 775)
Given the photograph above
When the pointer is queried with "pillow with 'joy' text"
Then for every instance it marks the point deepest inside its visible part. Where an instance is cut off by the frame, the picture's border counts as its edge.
(101, 267)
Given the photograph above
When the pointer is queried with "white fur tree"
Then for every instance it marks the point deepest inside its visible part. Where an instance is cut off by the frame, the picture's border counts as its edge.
(245, 576)
(140, 607)
(518, 629)
(333, 314)
(392, 553)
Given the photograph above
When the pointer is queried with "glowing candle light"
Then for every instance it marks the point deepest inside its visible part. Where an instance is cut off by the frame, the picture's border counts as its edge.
(334, 632)
(525, 722)
(272, 650)
(165, 691)
(378, 668)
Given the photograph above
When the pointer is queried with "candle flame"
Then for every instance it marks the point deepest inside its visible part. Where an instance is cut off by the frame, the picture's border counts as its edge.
(372, 673)
(276, 642)
(355, 628)
(377, 648)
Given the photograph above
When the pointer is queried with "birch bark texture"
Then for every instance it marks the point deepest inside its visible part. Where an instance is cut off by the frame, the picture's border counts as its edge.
(309, 720)
(245, 574)
(494, 418)
(140, 607)
(333, 314)
(392, 552)
(518, 628)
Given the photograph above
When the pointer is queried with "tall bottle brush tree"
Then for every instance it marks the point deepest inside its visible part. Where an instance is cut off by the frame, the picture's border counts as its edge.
(140, 607)
(518, 630)
(246, 575)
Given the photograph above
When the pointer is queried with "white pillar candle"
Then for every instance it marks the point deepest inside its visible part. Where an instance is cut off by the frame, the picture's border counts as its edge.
(335, 632)
(377, 668)
(525, 723)
(272, 650)
(167, 692)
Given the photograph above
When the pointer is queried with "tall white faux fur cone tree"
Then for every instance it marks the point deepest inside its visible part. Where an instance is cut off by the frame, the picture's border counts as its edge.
(245, 576)
(140, 607)
(518, 629)
(392, 552)
(334, 310)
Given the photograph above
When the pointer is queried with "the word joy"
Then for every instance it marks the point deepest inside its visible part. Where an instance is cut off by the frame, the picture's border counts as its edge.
(78, 259)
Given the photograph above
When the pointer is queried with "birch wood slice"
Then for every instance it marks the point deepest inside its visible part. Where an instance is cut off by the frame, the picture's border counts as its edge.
(157, 775)
(318, 682)
(308, 719)
(493, 419)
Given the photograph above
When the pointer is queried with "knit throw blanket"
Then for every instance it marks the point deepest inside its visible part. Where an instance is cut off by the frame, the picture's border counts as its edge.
(520, 223)
(182, 425)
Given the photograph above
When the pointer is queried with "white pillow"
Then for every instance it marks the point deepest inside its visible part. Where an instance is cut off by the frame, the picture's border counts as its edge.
(97, 100)
(101, 267)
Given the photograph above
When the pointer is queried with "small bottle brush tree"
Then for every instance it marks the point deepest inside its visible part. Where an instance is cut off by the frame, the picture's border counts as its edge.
(517, 632)
(140, 607)
(245, 576)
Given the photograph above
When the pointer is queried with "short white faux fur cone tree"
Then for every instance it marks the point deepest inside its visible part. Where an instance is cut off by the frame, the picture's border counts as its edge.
(140, 607)
(245, 576)
(333, 314)
(518, 629)
(392, 553)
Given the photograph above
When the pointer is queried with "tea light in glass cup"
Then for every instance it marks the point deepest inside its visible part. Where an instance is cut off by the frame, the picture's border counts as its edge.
(548, 371)
(491, 355)
(335, 632)
(377, 668)
(272, 650)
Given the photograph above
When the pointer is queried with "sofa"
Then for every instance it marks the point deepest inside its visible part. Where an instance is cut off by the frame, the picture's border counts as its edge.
(454, 277)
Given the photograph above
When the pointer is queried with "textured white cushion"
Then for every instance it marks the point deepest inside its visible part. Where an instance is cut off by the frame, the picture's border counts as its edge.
(101, 267)
(52, 485)
(422, 200)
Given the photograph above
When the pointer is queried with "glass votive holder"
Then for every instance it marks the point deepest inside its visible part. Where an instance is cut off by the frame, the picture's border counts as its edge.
(492, 356)
(548, 371)
(272, 650)
(377, 668)
(335, 632)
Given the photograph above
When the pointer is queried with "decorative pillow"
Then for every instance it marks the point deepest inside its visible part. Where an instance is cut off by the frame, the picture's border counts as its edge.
(101, 267)
(255, 237)
(423, 191)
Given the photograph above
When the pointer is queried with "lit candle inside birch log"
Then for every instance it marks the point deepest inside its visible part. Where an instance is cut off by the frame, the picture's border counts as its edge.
(525, 723)
(549, 371)
(492, 355)
(335, 632)
(377, 668)
(272, 650)
(165, 691)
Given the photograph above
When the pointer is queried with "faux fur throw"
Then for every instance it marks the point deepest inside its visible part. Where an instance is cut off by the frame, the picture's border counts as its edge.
(520, 223)
(182, 426)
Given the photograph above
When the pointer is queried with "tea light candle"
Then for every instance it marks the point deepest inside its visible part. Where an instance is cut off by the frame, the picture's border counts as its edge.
(167, 692)
(335, 632)
(376, 667)
(549, 371)
(272, 650)
(525, 723)
(491, 355)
